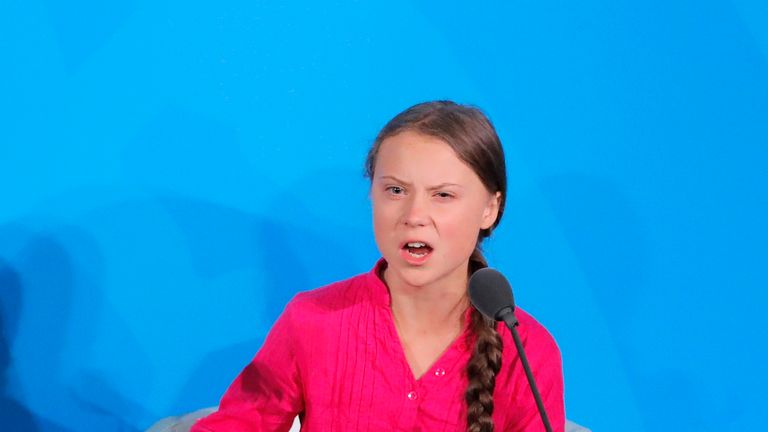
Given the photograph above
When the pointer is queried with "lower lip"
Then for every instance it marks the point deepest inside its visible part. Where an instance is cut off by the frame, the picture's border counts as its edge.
(412, 259)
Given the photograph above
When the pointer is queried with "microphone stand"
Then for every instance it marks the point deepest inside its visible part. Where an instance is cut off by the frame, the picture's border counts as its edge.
(511, 321)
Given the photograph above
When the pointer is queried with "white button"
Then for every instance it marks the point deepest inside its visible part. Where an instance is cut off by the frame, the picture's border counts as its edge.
(413, 395)
(439, 372)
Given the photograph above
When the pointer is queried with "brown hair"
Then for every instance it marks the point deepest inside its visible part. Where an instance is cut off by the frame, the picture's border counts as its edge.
(474, 140)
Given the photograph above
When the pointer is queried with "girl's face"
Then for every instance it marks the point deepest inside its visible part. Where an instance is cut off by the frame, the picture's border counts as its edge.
(428, 208)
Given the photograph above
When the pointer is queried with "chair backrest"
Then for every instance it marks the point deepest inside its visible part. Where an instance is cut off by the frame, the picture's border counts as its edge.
(184, 422)
(573, 427)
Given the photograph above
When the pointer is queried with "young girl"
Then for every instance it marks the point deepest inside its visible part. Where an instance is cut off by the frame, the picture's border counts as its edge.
(400, 348)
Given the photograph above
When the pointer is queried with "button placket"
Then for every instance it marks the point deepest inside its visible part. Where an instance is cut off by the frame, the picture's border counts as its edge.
(408, 418)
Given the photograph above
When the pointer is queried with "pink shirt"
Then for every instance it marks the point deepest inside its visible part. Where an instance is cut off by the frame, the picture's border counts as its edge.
(335, 356)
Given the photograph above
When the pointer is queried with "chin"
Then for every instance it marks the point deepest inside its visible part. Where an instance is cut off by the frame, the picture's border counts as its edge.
(416, 276)
(417, 281)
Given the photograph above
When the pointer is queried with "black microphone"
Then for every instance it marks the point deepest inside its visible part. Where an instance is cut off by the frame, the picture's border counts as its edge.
(491, 294)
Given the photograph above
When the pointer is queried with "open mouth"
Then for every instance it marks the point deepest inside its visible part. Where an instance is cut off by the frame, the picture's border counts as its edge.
(417, 249)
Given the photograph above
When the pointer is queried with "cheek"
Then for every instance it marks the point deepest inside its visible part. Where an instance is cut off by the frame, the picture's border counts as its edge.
(384, 222)
(460, 229)
(383, 215)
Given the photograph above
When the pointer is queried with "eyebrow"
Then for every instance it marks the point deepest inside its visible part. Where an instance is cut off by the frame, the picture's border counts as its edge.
(403, 182)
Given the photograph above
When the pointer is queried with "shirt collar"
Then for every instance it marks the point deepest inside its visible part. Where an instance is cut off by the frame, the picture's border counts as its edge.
(379, 290)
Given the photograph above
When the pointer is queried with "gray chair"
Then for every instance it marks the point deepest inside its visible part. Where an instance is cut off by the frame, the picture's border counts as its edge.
(184, 422)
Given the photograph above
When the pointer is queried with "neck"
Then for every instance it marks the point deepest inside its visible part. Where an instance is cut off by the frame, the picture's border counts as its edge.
(437, 307)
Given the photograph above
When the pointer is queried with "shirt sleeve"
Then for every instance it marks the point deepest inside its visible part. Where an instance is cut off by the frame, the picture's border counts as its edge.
(267, 394)
(546, 364)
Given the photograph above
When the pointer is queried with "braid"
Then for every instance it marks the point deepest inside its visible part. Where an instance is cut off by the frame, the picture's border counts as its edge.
(483, 366)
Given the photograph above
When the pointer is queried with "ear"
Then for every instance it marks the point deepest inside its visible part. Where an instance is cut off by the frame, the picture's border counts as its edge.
(491, 211)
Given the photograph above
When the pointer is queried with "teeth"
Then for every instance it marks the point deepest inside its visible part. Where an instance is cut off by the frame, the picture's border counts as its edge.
(416, 244)
(417, 255)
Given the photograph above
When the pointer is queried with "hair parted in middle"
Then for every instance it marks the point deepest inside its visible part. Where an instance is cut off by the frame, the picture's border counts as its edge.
(474, 140)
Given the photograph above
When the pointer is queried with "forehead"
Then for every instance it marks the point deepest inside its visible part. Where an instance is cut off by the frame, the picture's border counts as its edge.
(421, 157)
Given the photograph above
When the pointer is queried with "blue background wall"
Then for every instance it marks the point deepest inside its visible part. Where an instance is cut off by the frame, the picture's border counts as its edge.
(172, 172)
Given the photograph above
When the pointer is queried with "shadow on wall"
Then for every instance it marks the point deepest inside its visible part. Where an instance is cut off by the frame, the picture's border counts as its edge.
(39, 277)
(53, 302)
(292, 257)
(13, 415)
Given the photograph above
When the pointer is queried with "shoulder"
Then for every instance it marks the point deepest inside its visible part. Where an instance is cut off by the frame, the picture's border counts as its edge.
(540, 346)
(546, 365)
(313, 320)
(332, 297)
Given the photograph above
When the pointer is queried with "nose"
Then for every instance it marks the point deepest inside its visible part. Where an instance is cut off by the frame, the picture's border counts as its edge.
(416, 212)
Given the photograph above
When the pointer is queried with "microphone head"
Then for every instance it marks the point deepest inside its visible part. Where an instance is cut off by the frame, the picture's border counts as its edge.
(490, 293)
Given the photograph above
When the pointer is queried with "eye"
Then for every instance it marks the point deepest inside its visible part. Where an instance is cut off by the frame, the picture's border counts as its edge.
(444, 195)
(395, 190)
